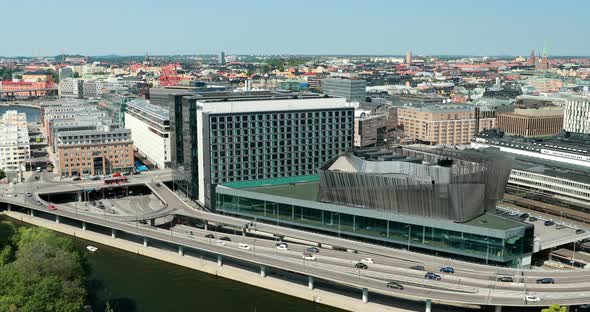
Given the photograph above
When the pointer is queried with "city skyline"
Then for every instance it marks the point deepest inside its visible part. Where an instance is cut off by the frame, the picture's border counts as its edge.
(326, 28)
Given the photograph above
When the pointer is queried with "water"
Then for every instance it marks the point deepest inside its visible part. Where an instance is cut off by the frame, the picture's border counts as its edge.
(139, 283)
(33, 114)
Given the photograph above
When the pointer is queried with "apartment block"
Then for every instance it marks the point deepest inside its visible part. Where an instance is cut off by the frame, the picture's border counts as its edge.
(15, 148)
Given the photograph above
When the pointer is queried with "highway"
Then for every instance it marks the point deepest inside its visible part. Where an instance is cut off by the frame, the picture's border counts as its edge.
(470, 284)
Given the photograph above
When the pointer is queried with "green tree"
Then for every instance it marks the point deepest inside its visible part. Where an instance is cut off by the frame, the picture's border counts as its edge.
(48, 274)
(555, 308)
(2, 174)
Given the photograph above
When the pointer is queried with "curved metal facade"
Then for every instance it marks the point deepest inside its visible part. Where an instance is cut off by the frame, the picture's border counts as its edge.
(416, 183)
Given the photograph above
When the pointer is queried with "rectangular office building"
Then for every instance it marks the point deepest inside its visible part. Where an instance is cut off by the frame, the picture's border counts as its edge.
(253, 137)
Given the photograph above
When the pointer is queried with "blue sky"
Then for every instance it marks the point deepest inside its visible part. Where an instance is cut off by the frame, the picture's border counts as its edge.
(134, 27)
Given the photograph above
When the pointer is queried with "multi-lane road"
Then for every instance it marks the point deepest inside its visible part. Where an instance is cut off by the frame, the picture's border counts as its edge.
(470, 284)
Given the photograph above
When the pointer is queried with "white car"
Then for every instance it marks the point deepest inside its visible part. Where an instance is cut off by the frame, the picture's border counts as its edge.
(514, 213)
(282, 246)
(368, 261)
(244, 246)
(531, 298)
(220, 243)
(309, 257)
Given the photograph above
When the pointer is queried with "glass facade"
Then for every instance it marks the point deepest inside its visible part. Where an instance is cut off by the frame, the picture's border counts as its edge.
(469, 242)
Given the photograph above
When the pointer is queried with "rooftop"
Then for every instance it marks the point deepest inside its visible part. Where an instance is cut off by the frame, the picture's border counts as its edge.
(309, 191)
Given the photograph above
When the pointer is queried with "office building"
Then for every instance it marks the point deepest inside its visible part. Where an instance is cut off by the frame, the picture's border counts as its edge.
(408, 59)
(15, 149)
(439, 204)
(576, 115)
(550, 181)
(222, 58)
(569, 148)
(103, 149)
(71, 87)
(372, 126)
(547, 121)
(254, 136)
(349, 88)
(444, 125)
(150, 131)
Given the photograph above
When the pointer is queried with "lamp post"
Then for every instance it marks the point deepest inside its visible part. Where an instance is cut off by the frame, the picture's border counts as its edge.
(409, 235)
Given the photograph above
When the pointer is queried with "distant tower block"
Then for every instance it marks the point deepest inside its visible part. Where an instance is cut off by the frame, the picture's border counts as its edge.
(409, 57)
(532, 59)
(222, 58)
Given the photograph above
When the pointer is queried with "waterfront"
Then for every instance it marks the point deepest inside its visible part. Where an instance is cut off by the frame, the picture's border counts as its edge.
(138, 283)
(33, 114)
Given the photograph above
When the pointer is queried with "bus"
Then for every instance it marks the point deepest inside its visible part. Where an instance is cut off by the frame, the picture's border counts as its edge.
(115, 180)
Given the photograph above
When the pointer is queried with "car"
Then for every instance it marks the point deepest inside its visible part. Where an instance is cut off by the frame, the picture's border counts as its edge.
(546, 280)
(524, 216)
(51, 207)
(432, 276)
(549, 223)
(361, 265)
(244, 246)
(368, 260)
(514, 213)
(418, 267)
(191, 233)
(94, 178)
(447, 270)
(309, 257)
(127, 173)
(28, 194)
(76, 179)
(39, 203)
(506, 279)
(158, 184)
(580, 231)
(220, 243)
(531, 298)
(209, 236)
(559, 226)
(336, 248)
(143, 221)
(282, 246)
(38, 169)
(135, 173)
(395, 285)
(533, 219)
(312, 250)
(225, 238)
(36, 178)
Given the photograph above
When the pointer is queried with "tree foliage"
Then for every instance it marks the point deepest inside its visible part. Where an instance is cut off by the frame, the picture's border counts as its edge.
(5, 73)
(555, 308)
(47, 274)
(2, 173)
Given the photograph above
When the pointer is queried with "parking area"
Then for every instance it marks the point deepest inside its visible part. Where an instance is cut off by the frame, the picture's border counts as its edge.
(550, 232)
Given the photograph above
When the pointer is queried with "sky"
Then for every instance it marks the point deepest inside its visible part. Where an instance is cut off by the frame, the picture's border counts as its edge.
(376, 27)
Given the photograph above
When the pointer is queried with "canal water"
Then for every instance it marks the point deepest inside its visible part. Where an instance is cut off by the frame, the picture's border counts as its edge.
(33, 114)
(136, 283)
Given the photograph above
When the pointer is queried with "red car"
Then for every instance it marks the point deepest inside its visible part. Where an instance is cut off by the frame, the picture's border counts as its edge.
(51, 207)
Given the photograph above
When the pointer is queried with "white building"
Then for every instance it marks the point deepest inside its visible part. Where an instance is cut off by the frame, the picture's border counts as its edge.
(150, 130)
(576, 115)
(15, 148)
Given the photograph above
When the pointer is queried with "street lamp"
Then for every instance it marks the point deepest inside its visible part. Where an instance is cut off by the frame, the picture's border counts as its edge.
(409, 235)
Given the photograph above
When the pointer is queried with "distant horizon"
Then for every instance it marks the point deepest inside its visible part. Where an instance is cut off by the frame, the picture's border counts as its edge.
(415, 55)
(306, 27)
